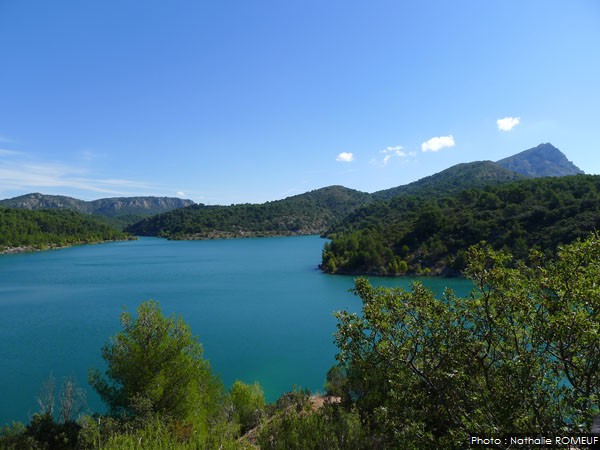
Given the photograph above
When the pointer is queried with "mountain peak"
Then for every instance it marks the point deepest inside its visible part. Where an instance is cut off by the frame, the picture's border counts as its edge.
(545, 160)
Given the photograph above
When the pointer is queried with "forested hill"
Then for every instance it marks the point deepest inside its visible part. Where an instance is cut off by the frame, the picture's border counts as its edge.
(317, 211)
(453, 180)
(117, 211)
(545, 160)
(22, 229)
(309, 213)
(313, 212)
(411, 234)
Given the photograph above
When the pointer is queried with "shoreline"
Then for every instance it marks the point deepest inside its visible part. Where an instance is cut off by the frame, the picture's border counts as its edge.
(240, 234)
(17, 250)
(6, 250)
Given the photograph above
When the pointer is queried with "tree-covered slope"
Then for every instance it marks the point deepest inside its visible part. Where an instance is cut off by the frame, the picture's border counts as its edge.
(545, 160)
(416, 235)
(51, 228)
(454, 179)
(309, 213)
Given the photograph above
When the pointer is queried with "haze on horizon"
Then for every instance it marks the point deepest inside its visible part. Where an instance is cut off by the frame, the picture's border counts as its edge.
(234, 102)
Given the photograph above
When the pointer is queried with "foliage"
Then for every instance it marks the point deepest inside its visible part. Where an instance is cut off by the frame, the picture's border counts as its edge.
(106, 433)
(335, 381)
(431, 235)
(520, 355)
(51, 228)
(50, 434)
(155, 365)
(331, 427)
(15, 437)
(248, 403)
(43, 431)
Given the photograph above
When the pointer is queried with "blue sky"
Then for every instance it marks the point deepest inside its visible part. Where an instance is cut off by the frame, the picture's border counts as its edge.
(249, 101)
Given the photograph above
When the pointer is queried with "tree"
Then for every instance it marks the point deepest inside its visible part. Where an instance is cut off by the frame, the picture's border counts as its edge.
(520, 355)
(46, 396)
(72, 400)
(155, 364)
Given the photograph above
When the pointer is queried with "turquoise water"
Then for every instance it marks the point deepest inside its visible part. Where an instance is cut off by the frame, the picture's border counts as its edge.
(260, 307)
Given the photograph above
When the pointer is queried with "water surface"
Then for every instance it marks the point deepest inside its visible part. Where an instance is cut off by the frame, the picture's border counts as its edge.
(260, 307)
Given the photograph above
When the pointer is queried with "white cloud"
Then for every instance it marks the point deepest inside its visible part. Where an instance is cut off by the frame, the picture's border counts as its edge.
(508, 123)
(437, 143)
(345, 157)
(397, 150)
(180, 194)
(389, 152)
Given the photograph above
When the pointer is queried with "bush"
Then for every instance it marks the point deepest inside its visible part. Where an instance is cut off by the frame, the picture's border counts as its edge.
(248, 404)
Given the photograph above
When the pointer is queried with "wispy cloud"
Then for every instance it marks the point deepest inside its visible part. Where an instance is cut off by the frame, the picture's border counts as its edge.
(7, 152)
(435, 144)
(22, 172)
(6, 140)
(508, 123)
(396, 151)
(391, 152)
(345, 157)
(89, 156)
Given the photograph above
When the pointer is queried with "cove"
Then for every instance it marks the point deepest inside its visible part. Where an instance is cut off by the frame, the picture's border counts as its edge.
(260, 307)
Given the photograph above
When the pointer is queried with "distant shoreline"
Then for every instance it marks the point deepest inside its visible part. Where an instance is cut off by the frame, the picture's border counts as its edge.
(214, 235)
(6, 250)
(20, 249)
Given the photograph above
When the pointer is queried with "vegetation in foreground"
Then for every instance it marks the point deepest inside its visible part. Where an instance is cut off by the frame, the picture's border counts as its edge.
(519, 355)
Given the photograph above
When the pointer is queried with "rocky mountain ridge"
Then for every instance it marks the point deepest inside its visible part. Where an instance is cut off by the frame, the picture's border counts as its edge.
(545, 160)
(108, 207)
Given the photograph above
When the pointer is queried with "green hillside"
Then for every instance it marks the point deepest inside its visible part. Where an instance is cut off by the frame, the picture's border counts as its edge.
(453, 180)
(309, 213)
(314, 212)
(50, 228)
(431, 235)
(324, 211)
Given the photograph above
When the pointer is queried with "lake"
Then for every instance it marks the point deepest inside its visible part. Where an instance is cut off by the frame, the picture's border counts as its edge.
(260, 307)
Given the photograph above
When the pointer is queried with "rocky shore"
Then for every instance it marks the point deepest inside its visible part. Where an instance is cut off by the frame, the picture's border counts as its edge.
(14, 250)
(5, 250)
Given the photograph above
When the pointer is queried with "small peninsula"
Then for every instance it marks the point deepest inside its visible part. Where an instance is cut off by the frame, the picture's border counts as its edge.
(24, 230)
